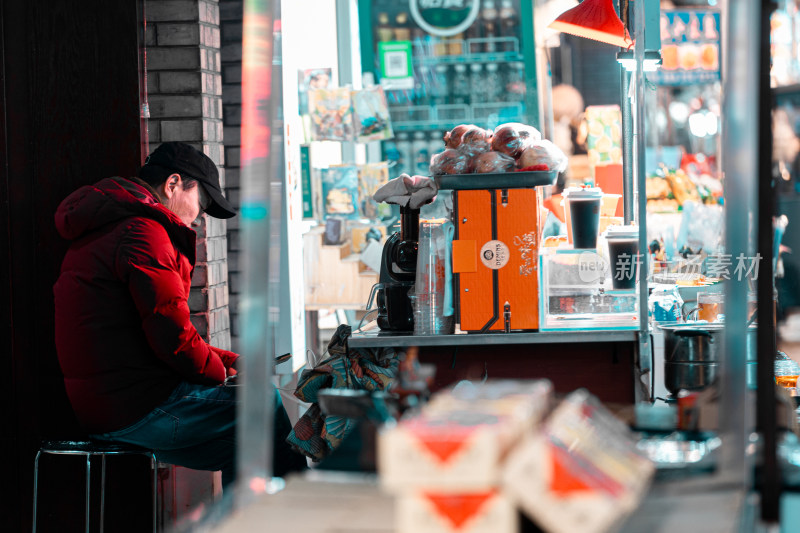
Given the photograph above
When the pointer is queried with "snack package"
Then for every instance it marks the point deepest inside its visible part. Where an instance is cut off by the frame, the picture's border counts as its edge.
(448, 450)
(485, 511)
(454, 137)
(582, 472)
(604, 135)
(543, 152)
(340, 192)
(476, 140)
(462, 436)
(451, 161)
(331, 114)
(372, 177)
(371, 115)
(683, 188)
(512, 138)
(492, 162)
(525, 402)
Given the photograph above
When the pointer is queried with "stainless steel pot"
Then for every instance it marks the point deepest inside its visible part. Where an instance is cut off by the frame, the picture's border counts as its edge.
(689, 376)
(700, 343)
(692, 353)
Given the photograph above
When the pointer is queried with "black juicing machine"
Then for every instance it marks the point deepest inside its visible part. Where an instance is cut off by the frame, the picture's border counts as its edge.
(398, 273)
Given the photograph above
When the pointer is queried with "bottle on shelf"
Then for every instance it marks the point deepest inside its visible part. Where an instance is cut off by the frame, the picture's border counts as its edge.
(515, 81)
(477, 84)
(495, 92)
(455, 46)
(435, 142)
(405, 162)
(474, 32)
(384, 30)
(392, 155)
(508, 20)
(420, 43)
(421, 158)
(489, 20)
(459, 85)
(402, 28)
(439, 85)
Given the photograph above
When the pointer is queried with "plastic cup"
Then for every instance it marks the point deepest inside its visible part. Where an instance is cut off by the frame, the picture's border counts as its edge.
(429, 286)
(609, 206)
(606, 222)
(583, 206)
(623, 255)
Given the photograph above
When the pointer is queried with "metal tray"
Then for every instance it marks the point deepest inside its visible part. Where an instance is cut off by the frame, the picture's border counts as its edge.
(496, 180)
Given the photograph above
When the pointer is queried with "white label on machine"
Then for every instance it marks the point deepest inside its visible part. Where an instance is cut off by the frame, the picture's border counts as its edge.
(494, 254)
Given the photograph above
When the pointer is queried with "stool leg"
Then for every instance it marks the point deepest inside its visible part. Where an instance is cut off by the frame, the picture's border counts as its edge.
(154, 467)
(102, 492)
(35, 486)
(88, 489)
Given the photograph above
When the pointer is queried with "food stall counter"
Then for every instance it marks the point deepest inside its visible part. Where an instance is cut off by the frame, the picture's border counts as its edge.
(376, 338)
(332, 502)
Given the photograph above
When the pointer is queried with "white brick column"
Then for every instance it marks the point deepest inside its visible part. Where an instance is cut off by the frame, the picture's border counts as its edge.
(184, 92)
(231, 14)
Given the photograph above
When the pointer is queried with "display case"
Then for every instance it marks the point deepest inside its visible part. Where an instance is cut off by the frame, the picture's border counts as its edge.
(577, 293)
(444, 64)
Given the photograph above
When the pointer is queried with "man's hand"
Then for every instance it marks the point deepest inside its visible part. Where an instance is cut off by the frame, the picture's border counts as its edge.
(229, 359)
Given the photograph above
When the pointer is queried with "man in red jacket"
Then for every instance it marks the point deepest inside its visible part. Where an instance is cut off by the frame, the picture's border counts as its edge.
(135, 368)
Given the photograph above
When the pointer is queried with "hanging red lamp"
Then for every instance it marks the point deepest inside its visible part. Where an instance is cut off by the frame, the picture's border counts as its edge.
(594, 19)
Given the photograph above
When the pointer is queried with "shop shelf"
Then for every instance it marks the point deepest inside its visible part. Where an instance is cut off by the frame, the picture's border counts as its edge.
(376, 338)
(451, 51)
(414, 113)
(496, 180)
(500, 47)
(490, 110)
(453, 112)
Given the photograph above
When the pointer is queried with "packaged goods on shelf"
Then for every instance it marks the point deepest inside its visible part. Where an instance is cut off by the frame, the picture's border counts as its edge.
(340, 192)
(581, 472)
(371, 177)
(525, 402)
(577, 293)
(486, 511)
(371, 115)
(460, 438)
(331, 114)
(451, 450)
(510, 147)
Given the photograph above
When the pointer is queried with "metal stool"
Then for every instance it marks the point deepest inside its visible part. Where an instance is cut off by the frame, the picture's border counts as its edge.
(89, 448)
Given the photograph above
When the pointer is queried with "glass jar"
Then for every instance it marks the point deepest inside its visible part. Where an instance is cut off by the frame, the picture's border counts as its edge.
(786, 373)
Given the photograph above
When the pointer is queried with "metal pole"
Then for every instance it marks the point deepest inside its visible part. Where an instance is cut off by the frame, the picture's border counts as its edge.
(645, 353)
(766, 421)
(349, 59)
(260, 215)
(627, 147)
(739, 129)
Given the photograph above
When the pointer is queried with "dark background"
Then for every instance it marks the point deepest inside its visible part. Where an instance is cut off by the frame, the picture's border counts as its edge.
(70, 116)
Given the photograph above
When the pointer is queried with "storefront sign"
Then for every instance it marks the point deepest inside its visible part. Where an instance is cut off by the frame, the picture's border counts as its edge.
(395, 62)
(690, 48)
(444, 18)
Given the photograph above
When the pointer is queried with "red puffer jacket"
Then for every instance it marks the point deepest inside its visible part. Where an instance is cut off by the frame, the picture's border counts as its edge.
(123, 333)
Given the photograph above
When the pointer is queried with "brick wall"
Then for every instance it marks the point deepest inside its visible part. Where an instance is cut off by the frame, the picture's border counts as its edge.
(184, 85)
(231, 12)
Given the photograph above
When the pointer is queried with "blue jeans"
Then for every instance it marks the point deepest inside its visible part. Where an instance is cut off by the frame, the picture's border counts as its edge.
(196, 428)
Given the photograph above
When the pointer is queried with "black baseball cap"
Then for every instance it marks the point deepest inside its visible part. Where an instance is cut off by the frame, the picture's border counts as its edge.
(186, 160)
